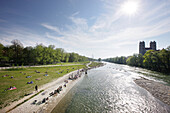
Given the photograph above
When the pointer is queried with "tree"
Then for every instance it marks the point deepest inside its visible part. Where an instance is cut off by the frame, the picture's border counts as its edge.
(58, 55)
(147, 59)
(17, 48)
(99, 59)
(39, 54)
(73, 57)
(3, 59)
(140, 60)
(67, 57)
(164, 56)
(168, 48)
(63, 54)
(29, 56)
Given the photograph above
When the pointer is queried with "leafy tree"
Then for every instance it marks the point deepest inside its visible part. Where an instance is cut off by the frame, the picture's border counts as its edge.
(29, 57)
(3, 59)
(39, 53)
(73, 57)
(17, 48)
(147, 59)
(99, 59)
(168, 48)
(140, 60)
(58, 55)
(67, 55)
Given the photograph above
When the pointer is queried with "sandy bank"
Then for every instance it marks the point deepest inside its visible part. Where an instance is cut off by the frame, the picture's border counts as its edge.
(158, 90)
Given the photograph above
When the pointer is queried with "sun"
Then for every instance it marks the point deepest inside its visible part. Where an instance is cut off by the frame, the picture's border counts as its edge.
(130, 7)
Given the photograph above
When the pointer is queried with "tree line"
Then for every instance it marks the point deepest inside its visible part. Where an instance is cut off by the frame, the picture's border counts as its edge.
(17, 54)
(152, 60)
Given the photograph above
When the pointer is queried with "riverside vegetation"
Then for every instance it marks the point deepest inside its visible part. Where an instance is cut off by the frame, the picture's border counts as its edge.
(17, 55)
(152, 60)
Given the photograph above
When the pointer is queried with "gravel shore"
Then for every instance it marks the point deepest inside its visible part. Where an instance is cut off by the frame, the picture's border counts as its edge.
(158, 90)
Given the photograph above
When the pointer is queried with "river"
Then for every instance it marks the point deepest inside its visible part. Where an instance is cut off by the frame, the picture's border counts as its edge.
(110, 89)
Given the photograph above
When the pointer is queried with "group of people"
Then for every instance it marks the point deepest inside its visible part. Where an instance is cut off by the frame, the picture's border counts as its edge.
(59, 89)
(74, 77)
(56, 91)
(12, 88)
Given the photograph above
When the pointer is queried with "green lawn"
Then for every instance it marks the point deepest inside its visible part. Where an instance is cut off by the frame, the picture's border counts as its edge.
(20, 80)
(94, 64)
(73, 63)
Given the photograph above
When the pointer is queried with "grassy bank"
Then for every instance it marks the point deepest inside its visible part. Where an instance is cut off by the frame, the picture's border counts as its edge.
(68, 63)
(23, 75)
(157, 75)
(94, 64)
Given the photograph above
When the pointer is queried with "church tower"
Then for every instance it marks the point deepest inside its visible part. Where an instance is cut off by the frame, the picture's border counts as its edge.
(142, 48)
(153, 45)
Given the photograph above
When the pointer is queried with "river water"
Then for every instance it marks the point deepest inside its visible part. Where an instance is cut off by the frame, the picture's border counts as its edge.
(110, 89)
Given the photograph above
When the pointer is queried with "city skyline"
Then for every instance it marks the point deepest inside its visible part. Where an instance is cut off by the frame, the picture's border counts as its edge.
(103, 28)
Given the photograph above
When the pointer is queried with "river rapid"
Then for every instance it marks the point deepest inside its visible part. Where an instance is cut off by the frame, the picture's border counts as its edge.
(111, 89)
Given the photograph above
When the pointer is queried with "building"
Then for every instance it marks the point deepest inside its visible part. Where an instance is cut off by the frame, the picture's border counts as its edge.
(143, 49)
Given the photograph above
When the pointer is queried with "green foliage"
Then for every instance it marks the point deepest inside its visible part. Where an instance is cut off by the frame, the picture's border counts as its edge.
(168, 48)
(16, 54)
(152, 60)
(119, 60)
(99, 59)
(94, 64)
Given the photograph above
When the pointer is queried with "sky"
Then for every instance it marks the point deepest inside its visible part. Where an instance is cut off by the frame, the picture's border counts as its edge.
(94, 28)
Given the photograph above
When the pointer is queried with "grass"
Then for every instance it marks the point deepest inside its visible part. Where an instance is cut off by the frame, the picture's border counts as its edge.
(20, 80)
(94, 64)
(157, 75)
(72, 63)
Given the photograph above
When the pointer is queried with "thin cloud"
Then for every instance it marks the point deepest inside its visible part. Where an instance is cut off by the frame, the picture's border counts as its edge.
(76, 13)
(56, 29)
(26, 36)
(3, 21)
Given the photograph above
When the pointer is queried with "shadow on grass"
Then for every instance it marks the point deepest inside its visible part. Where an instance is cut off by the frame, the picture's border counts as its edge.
(15, 69)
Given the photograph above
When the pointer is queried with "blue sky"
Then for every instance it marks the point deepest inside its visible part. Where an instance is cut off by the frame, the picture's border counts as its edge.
(89, 27)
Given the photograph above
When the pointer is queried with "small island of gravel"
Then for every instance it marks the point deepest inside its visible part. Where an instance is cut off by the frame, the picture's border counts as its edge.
(158, 90)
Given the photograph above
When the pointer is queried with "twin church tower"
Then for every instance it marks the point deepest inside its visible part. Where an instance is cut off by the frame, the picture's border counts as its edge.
(143, 49)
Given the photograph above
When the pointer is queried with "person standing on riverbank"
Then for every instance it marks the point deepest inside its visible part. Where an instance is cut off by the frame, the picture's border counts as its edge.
(36, 88)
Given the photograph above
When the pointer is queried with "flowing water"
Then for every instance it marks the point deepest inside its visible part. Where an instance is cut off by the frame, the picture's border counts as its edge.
(110, 89)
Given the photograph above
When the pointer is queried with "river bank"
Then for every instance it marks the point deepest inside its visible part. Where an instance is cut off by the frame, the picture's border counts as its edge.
(158, 90)
(24, 105)
(30, 106)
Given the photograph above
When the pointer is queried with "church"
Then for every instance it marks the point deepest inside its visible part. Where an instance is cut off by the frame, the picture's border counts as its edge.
(143, 49)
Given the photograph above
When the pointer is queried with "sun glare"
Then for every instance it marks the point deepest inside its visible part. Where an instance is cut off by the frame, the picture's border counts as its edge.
(130, 7)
